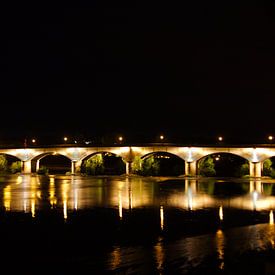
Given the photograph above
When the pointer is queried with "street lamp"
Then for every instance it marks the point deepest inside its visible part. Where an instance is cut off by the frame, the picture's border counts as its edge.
(120, 139)
(65, 139)
(270, 138)
(220, 138)
(161, 137)
(33, 141)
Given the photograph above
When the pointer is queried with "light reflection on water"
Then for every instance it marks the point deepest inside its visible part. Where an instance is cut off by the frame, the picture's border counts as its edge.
(31, 194)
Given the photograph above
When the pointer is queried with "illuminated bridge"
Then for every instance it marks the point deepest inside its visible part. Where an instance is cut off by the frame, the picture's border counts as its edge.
(30, 157)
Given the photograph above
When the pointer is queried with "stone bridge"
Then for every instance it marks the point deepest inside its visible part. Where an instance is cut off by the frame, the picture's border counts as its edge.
(30, 157)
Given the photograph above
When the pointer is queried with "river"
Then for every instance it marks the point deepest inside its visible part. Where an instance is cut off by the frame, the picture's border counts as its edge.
(136, 225)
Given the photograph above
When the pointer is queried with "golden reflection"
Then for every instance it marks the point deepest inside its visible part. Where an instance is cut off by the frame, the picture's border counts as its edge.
(252, 186)
(271, 217)
(120, 204)
(38, 194)
(25, 206)
(19, 180)
(65, 188)
(7, 198)
(33, 207)
(221, 213)
(52, 180)
(271, 234)
(52, 193)
(159, 255)
(259, 188)
(115, 258)
(65, 213)
(220, 241)
(190, 198)
(75, 199)
(130, 193)
(255, 185)
(130, 198)
(161, 217)
(255, 196)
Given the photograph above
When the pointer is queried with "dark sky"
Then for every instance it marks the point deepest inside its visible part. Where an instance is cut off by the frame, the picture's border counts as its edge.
(91, 68)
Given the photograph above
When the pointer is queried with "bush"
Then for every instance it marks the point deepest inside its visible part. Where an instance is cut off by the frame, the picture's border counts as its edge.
(16, 167)
(207, 167)
(272, 174)
(267, 167)
(244, 170)
(43, 170)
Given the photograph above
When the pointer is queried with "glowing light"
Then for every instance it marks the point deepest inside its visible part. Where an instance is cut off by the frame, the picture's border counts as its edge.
(120, 138)
(221, 213)
(270, 137)
(33, 140)
(255, 196)
(161, 217)
(52, 192)
(75, 199)
(33, 207)
(271, 217)
(65, 139)
(65, 213)
(190, 198)
(220, 138)
(64, 188)
(254, 155)
(25, 206)
(161, 137)
(120, 205)
(217, 158)
(19, 180)
(124, 149)
(189, 157)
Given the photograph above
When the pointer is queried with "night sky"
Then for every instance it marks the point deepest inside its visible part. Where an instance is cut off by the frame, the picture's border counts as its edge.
(94, 68)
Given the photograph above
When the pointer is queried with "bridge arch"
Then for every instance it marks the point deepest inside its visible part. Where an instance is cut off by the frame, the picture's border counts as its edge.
(223, 164)
(10, 163)
(161, 163)
(103, 163)
(52, 162)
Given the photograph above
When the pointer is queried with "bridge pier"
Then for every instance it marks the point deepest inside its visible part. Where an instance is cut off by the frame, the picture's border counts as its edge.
(26, 167)
(37, 166)
(73, 167)
(255, 169)
(191, 168)
(128, 167)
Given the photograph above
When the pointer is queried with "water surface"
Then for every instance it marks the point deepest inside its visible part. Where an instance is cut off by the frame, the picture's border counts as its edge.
(135, 225)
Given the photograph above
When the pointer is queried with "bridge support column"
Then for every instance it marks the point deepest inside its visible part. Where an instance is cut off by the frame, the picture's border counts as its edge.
(128, 167)
(191, 168)
(37, 166)
(26, 167)
(255, 169)
(73, 167)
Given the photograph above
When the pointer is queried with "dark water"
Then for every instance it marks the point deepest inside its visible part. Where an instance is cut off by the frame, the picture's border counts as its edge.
(133, 225)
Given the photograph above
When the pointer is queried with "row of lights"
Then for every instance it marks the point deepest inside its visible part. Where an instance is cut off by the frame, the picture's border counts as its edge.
(161, 137)
(270, 138)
